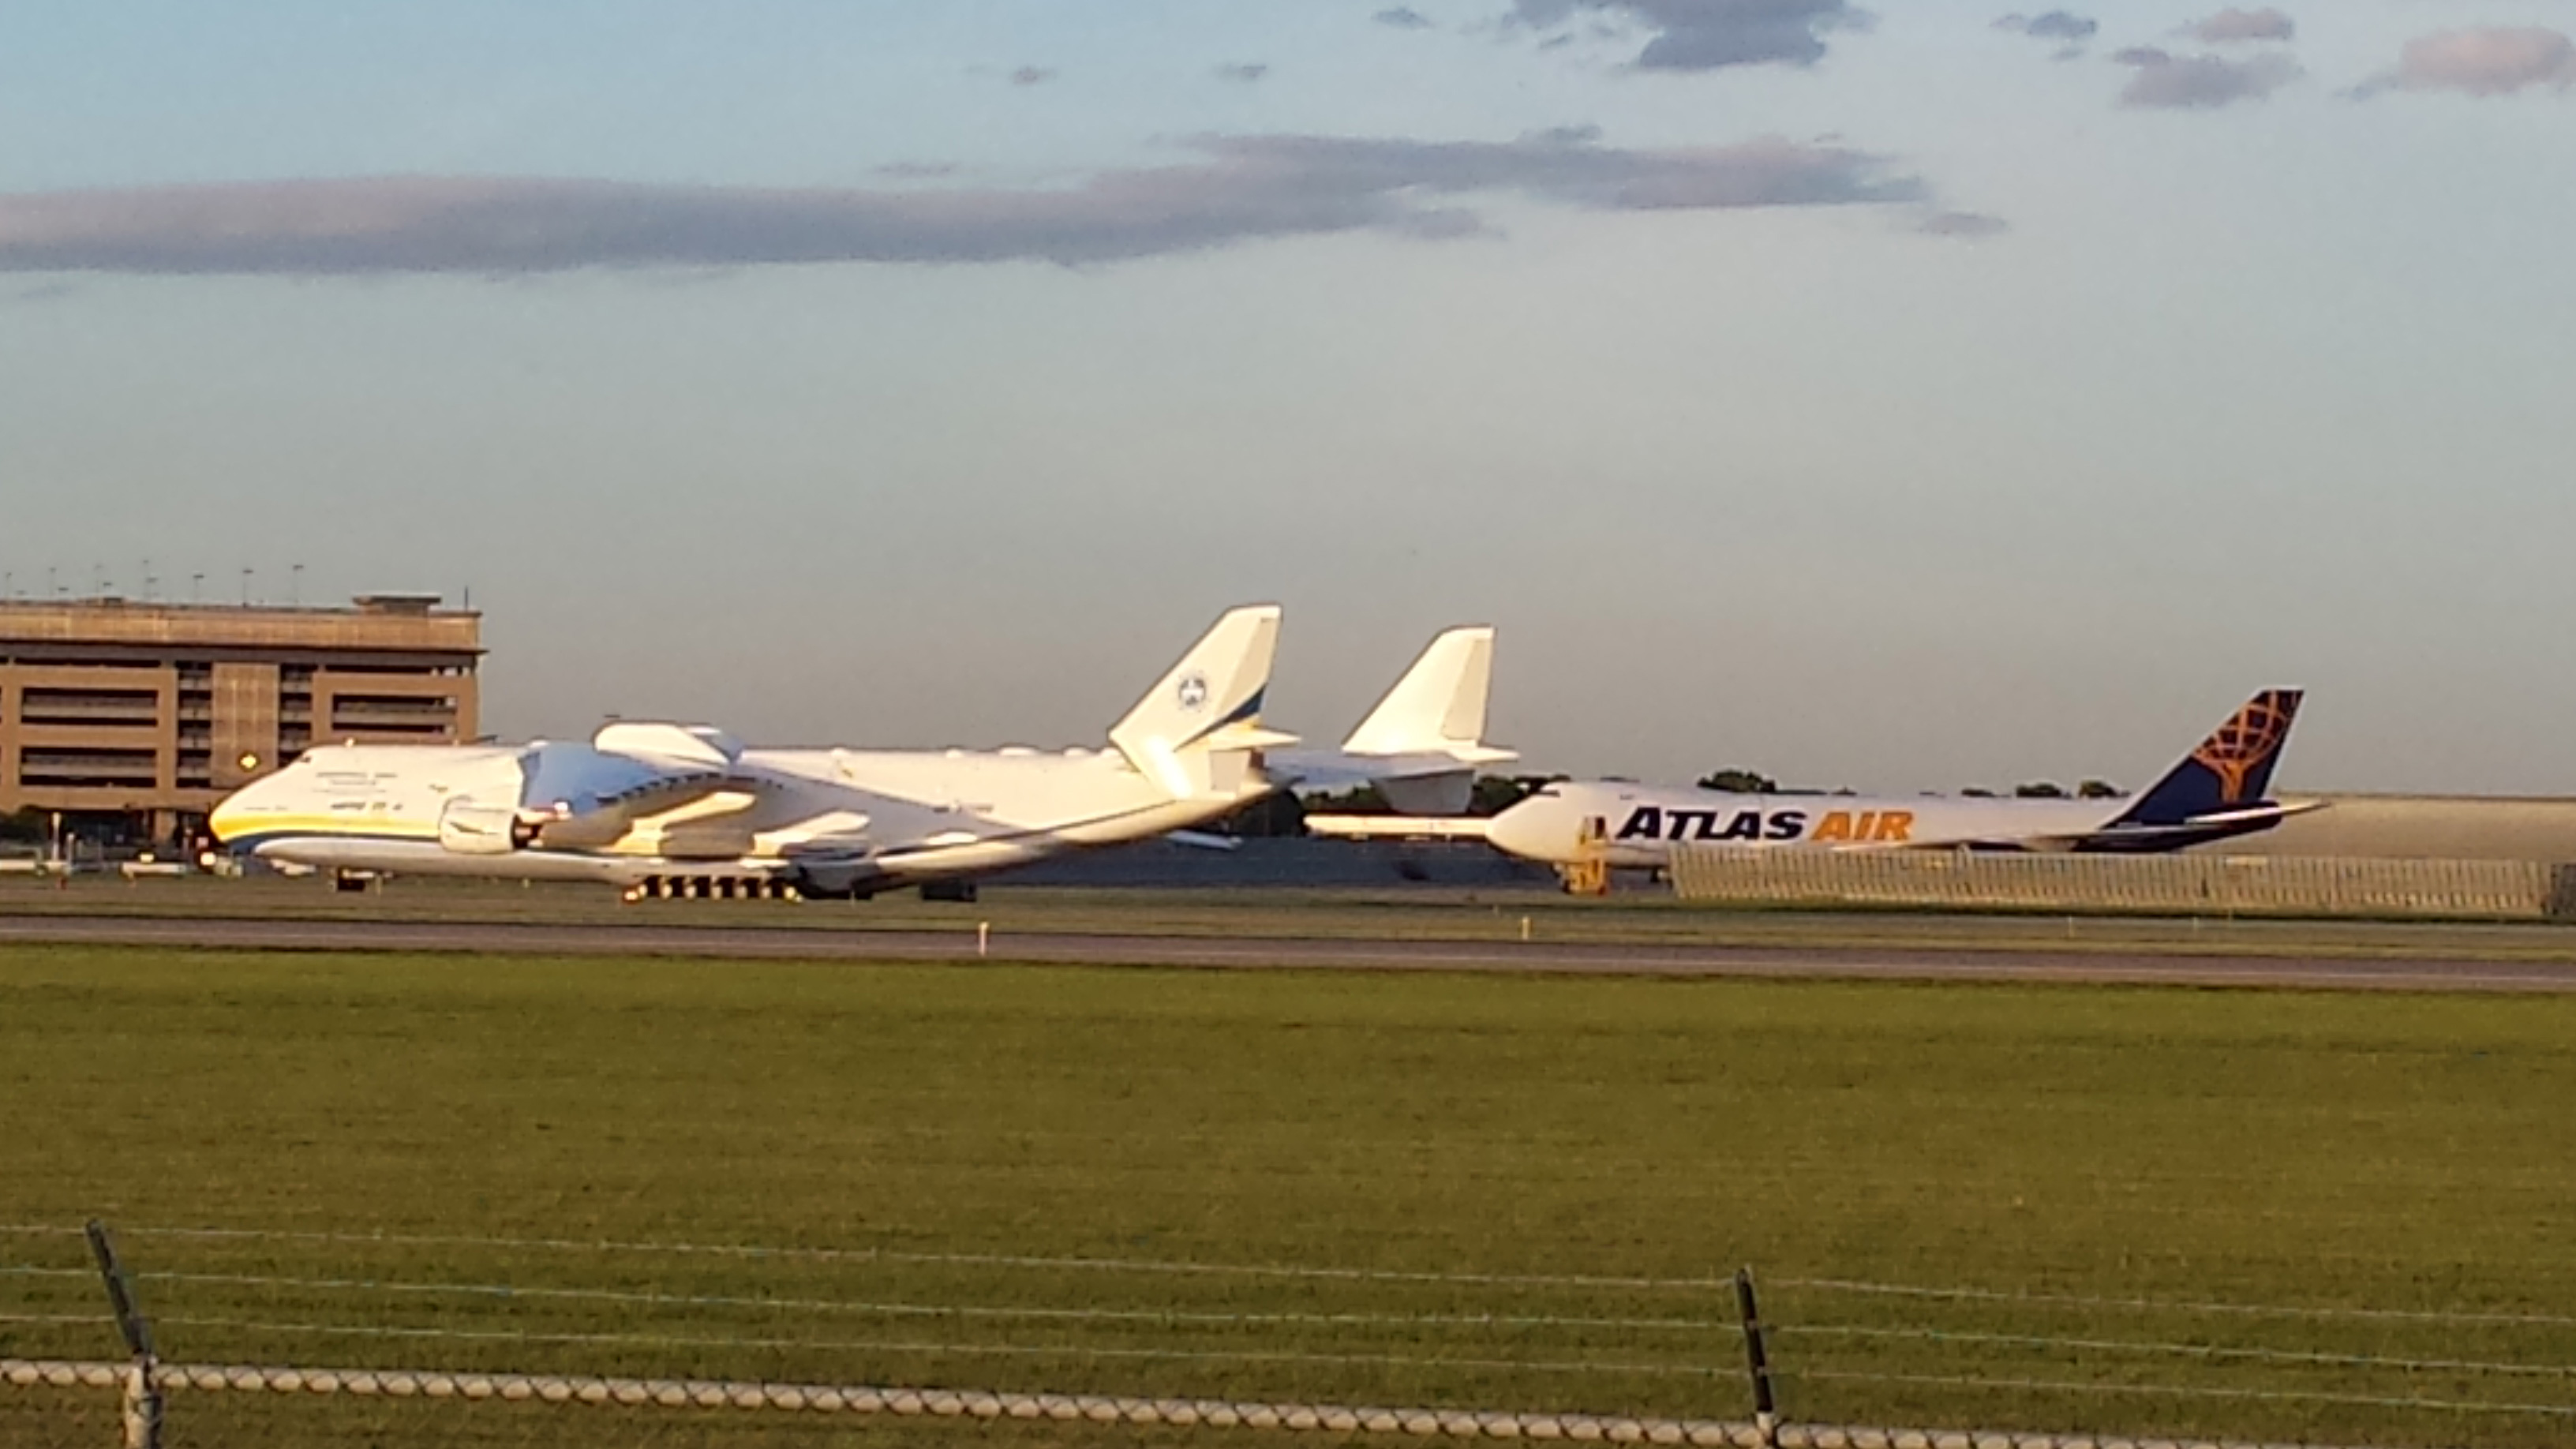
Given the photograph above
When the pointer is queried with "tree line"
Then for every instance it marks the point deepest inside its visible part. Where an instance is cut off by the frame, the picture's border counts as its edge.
(1753, 782)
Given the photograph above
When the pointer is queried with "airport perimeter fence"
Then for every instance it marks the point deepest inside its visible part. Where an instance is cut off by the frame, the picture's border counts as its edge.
(2202, 885)
(279, 1338)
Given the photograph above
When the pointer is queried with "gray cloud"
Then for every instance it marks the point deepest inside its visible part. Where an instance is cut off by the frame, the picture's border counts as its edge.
(2231, 25)
(1032, 75)
(1699, 35)
(1241, 189)
(2071, 31)
(2492, 61)
(2063, 25)
(1404, 17)
(1242, 74)
(2165, 81)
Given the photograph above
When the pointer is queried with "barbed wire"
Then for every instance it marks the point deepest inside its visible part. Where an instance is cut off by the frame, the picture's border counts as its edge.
(2182, 1391)
(2130, 1304)
(2172, 1305)
(898, 1309)
(897, 1255)
(1074, 1351)
(1040, 1313)
(2192, 1350)
(1295, 1271)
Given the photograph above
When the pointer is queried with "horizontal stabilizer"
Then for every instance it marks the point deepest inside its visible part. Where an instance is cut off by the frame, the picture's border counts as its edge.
(1313, 770)
(2215, 825)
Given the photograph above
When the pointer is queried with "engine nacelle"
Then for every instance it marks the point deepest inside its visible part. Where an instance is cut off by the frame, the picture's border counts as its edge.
(468, 828)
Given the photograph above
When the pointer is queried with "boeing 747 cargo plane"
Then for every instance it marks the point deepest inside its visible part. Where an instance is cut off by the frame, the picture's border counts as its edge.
(2217, 791)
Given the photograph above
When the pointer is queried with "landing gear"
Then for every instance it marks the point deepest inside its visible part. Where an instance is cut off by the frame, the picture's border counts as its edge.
(354, 882)
(712, 888)
(957, 892)
(1588, 874)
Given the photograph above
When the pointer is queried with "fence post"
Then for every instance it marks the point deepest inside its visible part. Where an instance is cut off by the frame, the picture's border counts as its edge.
(142, 1395)
(1766, 1411)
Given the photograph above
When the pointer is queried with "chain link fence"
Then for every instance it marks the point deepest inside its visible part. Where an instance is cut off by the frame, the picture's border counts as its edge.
(292, 1338)
(2181, 885)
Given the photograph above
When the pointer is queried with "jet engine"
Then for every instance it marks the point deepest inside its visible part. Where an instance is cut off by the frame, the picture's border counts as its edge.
(467, 827)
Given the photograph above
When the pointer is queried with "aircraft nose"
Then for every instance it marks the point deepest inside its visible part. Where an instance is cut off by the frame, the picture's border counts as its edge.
(232, 816)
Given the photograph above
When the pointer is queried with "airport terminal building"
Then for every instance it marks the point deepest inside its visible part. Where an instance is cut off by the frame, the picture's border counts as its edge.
(130, 720)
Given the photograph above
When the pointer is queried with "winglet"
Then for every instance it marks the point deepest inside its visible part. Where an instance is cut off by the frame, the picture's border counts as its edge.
(1217, 687)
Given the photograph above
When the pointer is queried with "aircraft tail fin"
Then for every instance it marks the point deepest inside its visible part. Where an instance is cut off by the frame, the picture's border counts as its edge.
(1209, 701)
(1438, 707)
(2230, 770)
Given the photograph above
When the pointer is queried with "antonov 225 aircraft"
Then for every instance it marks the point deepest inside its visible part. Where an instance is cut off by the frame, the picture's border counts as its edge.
(671, 809)
(2216, 792)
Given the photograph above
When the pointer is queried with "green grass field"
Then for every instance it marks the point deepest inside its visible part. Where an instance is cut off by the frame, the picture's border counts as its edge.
(2286, 1149)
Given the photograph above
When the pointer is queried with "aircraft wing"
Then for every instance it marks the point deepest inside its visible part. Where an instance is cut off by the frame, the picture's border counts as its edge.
(585, 796)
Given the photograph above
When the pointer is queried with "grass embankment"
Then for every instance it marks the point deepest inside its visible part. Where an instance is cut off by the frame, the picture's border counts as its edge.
(1283, 913)
(2322, 1151)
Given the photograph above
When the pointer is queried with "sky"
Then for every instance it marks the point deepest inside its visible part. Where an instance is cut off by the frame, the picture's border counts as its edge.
(1901, 397)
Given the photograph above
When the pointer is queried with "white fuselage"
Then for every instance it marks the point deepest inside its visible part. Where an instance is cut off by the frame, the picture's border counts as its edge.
(1636, 826)
(832, 819)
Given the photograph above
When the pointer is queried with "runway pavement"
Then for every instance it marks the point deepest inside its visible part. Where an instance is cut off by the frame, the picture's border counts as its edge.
(2323, 971)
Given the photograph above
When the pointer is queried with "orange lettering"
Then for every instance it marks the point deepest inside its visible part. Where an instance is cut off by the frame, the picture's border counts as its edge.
(1895, 826)
(1836, 826)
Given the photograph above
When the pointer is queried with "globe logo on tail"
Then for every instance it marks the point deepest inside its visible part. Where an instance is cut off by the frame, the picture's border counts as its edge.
(1193, 693)
(2246, 742)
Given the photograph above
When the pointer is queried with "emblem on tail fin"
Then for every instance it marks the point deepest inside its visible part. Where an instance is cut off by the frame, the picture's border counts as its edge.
(2229, 771)
(2248, 741)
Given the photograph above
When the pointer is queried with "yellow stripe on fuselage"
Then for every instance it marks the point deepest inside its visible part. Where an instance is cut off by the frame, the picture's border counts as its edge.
(342, 824)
